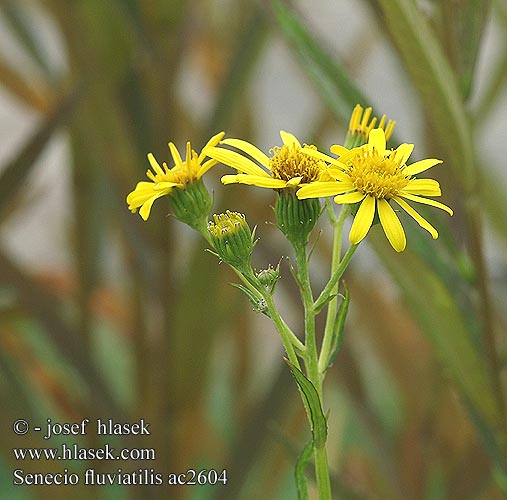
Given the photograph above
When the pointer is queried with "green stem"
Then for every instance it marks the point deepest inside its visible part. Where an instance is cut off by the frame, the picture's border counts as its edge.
(337, 224)
(325, 295)
(311, 357)
(311, 362)
(322, 473)
(289, 339)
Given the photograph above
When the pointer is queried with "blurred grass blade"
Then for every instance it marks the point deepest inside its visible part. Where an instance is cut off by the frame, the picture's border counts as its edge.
(44, 308)
(331, 79)
(463, 24)
(16, 15)
(249, 47)
(301, 464)
(493, 200)
(437, 313)
(488, 440)
(319, 424)
(14, 175)
(37, 98)
(436, 82)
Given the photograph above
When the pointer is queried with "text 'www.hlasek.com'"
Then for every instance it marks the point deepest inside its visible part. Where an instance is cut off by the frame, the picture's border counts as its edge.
(79, 455)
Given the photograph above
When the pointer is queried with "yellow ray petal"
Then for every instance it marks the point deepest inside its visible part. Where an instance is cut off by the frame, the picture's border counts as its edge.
(392, 225)
(146, 208)
(421, 166)
(425, 187)
(176, 155)
(418, 218)
(154, 164)
(427, 201)
(254, 180)
(338, 174)
(165, 186)
(249, 149)
(211, 143)
(322, 189)
(229, 179)
(289, 139)
(295, 181)
(362, 220)
(136, 198)
(324, 157)
(377, 139)
(366, 117)
(338, 150)
(143, 185)
(205, 167)
(402, 153)
(237, 161)
(347, 198)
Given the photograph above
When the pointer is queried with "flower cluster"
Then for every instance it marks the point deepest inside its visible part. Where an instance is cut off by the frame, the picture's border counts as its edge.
(364, 173)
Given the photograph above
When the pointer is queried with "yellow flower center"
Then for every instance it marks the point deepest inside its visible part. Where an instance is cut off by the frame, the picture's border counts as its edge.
(181, 174)
(376, 174)
(288, 162)
(227, 223)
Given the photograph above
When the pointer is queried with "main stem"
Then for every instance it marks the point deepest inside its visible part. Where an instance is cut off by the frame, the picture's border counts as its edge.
(337, 224)
(312, 365)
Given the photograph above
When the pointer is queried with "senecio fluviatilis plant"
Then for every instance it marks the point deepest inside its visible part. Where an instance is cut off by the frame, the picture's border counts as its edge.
(366, 178)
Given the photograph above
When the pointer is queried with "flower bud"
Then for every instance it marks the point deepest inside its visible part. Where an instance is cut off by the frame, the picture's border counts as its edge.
(232, 239)
(268, 278)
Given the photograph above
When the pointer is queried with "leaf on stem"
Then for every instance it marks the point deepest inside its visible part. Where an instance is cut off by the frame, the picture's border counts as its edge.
(299, 472)
(318, 420)
(257, 301)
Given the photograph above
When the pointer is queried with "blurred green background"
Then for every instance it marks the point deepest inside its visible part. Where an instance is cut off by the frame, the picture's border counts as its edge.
(105, 316)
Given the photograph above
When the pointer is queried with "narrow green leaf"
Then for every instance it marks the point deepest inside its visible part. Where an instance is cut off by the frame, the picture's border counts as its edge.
(249, 47)
(488, 438)
(433, 76)
(339, 324)
(435, 308)
(330, 78)
(299, 472)
(321, 304)
(463, 23)
(21, 24)
(319, 423)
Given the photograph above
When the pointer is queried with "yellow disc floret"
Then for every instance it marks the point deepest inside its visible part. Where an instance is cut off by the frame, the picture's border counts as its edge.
(290, 161)
(376, 174)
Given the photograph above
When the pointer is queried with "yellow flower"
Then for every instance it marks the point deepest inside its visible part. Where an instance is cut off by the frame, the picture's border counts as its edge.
(165, 180)
(289, 165)
(360, 126)
(373, 175)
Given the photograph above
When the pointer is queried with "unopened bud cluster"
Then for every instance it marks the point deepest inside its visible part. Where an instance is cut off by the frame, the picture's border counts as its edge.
(232, 239)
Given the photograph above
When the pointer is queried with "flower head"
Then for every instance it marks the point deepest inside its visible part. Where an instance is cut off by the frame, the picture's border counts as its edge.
(165, 180)
(288, 167)
(372, 176)
(232, 239)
